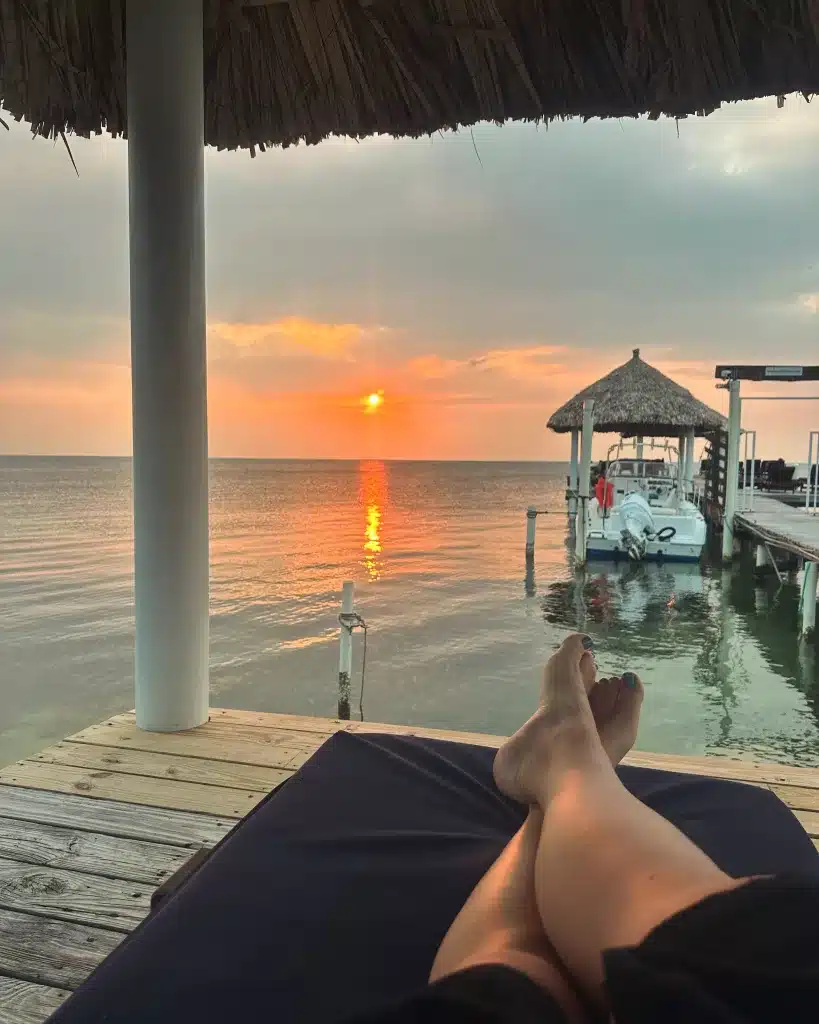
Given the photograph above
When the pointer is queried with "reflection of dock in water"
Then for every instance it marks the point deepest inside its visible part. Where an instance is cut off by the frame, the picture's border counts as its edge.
(707, 616)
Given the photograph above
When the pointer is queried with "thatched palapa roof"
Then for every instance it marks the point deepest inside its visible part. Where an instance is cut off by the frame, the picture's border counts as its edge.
(637, 400)
(281, 71)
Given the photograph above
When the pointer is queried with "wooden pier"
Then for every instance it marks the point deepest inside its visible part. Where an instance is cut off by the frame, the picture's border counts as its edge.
(781, 526)
(91, 826)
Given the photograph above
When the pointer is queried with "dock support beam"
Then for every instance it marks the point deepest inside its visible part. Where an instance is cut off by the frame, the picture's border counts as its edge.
(688, 468)
(573, 472)
(809, 600)
(170, 466)
(762, 561)
(731, 469)
(583, 483)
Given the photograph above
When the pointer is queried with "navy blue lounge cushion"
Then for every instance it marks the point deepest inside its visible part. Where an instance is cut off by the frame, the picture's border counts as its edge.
(332, 896)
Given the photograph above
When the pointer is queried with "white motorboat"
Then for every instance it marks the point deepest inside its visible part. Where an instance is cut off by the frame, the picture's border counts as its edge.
(641, 511)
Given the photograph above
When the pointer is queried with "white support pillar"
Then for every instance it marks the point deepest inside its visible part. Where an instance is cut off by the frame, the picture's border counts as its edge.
(573, 472)
(690, 441)
(345, 652)
(762, 560)
(809, 600)
(682, 490)
(731, 469)
(639, 448)
(583, 483)
(170, 469)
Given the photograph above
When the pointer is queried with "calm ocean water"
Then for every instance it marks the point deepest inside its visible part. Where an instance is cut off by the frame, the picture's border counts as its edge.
(457, 631)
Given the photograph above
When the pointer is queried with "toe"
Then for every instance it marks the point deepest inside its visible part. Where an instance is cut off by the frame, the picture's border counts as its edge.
(631, 690)
(603, 700)
(578, 650)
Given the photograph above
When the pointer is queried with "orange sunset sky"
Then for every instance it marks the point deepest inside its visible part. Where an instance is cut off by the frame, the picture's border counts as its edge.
(476, 290)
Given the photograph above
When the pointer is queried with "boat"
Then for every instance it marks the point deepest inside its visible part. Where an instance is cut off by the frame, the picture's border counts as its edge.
(641, 510)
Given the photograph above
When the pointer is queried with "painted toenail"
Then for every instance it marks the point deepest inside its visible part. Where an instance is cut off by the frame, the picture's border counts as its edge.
(630, 680)
(588, 643)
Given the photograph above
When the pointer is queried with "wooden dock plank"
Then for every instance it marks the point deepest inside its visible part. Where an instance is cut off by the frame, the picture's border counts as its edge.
(164, 766)
(799, 798)
(73, 896)
(23, 1002)
(225, 741)
(724, 768)
(132, 789)
(791, 529)
(759, 772)
(54, 953)
(712, 766)
(177, 828)
(809, 821)
(29, 842)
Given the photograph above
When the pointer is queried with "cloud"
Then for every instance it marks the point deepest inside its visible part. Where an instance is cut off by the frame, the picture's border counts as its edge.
(293, 334)
(506, 283)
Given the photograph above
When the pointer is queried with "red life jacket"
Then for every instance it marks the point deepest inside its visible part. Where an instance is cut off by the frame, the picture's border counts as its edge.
(604, 492)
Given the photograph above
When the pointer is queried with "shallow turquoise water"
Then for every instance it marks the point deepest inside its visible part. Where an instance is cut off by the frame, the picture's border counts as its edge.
(457, 631)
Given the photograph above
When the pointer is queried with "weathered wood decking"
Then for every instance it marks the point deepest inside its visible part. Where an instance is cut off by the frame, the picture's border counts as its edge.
(91, 826)
(782, 526)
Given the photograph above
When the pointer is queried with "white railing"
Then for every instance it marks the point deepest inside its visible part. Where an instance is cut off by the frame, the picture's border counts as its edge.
(745, 497)
(812, 485)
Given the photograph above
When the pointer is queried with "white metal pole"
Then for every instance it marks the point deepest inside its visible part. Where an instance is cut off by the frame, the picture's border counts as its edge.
(573, 472)
(762, 560)
(809, 599)
(690, 442)
(731, 469)
(639, 447)
(531, 527)
(165, 100)
(584, 480)
(682, 489)
(345, 653)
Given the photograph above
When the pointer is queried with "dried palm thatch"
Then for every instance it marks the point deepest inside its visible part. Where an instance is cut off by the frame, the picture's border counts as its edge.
(281, 71)
(638, 400)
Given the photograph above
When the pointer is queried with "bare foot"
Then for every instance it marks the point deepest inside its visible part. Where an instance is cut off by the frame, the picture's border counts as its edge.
(562, 730)
(615, 705)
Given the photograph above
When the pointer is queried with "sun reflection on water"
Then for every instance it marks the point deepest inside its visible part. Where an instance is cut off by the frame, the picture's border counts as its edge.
(373, 495)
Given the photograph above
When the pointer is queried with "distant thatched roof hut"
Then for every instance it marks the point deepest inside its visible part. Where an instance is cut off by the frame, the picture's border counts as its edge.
(279, 72)
(638, 400)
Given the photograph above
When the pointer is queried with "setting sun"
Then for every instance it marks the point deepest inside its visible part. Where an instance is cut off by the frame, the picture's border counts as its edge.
(374, 400)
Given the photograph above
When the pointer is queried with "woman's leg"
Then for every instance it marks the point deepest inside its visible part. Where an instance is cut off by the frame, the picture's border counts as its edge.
(608, 869)
(500, 922)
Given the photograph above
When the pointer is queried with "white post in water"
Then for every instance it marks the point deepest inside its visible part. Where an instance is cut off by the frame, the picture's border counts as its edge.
(809, 600)
(531, 527)
(762, 560)
(345, 653)
(690, 441)
(731, 469)
(573, 472)
(170, 467)
(681, 481)
(583, 483)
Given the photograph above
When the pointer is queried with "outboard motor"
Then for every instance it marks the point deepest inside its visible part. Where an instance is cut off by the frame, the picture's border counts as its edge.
(638, 525)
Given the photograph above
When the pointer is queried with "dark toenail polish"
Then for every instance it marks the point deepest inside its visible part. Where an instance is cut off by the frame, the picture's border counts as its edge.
(630, 680)
(588, 643)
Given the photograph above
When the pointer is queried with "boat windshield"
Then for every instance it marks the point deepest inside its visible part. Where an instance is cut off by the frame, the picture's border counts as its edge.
(644, 469)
